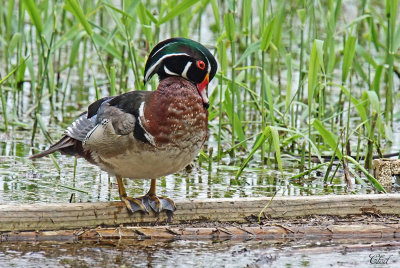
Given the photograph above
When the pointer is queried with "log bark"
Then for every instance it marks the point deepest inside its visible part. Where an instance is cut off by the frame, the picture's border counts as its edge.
(40, 217)
(347, 231)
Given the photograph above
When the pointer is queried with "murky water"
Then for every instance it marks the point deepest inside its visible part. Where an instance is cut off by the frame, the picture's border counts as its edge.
(229, 253)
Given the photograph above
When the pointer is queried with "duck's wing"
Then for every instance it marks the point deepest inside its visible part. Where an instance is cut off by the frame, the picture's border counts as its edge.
(122, 111)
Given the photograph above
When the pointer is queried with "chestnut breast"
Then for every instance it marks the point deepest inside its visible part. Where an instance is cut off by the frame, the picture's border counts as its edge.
(175, 115)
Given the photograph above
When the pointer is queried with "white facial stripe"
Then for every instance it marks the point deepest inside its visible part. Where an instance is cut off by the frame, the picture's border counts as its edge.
(186, 69)
(163, 48)
(209, 66)
(151, 69)
(167, 71)
(147, 135)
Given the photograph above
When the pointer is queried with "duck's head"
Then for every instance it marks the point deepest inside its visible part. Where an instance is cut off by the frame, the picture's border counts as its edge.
(185, 58)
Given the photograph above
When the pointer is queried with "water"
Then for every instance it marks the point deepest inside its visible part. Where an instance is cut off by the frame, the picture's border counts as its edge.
(26, 181)
(228, 253)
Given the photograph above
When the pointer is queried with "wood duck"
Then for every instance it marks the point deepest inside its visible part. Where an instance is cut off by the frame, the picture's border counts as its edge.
(148, 134)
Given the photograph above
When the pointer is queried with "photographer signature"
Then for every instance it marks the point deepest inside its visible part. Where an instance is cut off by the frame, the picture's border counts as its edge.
(379, 258)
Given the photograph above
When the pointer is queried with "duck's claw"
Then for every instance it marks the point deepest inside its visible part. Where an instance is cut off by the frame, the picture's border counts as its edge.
(147, 202)
(134, 204)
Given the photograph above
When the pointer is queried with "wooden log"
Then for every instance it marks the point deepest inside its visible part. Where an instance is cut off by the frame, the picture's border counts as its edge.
(36, 217)
(278, 231)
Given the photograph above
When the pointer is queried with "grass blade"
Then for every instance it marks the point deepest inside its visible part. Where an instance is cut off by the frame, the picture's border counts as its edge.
(276, 144)
(328, 137)
(270, 132)
(75, 8)
(288, 60)
(249, 50)
(229, 26)
(267, 35)
(349, 49)
(34, 14)
(313, 71)
(259, 141)
(177, 10)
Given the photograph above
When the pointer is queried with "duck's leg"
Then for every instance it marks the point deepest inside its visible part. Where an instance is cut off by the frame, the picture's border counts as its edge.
(149, 200)
(158, 203)
(132, 204)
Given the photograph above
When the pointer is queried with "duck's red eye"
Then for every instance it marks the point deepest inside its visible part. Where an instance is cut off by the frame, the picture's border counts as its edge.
(201, 65)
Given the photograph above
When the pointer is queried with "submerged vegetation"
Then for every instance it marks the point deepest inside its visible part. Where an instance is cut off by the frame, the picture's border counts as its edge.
(298, 81)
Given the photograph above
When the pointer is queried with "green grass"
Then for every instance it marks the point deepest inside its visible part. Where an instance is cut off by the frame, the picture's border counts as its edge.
(63, 55)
